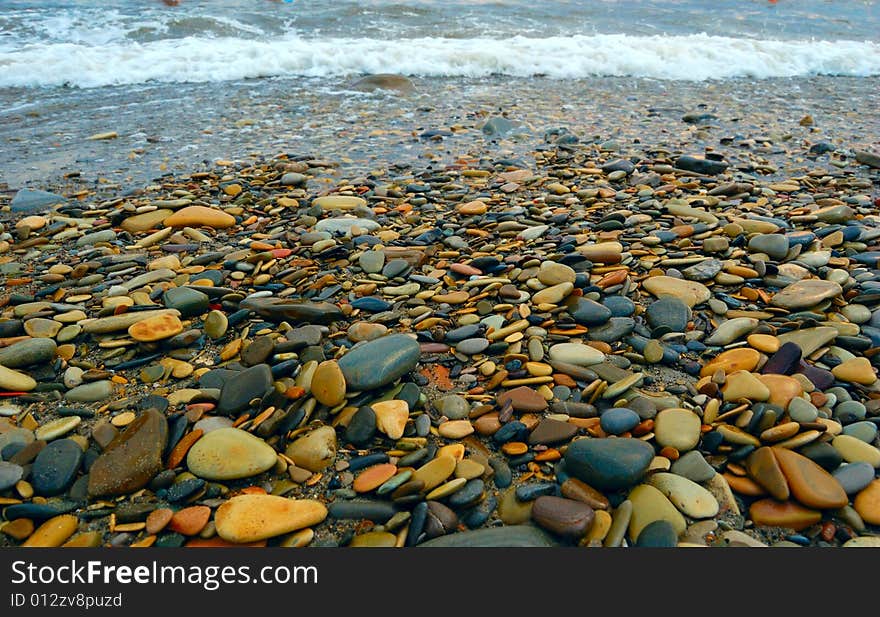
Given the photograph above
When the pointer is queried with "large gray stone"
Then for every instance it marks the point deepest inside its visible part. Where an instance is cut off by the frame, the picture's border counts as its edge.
(610, 463)
(379, 362)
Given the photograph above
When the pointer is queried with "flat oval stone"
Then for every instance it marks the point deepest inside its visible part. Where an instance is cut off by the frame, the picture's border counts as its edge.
(691, 293)
(693, 466)
(229, 454)
(739, 359)
(280, 309)
(374, 539)
(90, 392)
(649, 505)
(744, 385)
(764, 469)
(608, 464)
(373, 477)
(788, 514)
(435, 472)
(564, 517)
(576, 354)
(199, 216)
(132, 459)
(731, 330)
(553, 273)
(523, 399)
(16, 381)
(55, 467)
(855, 450)
(853, 477)
(867, 503)
(806, 293)
(472, 346)
(659, 534)
(689, 497)
(249, 518)
(328, 384)
(190, 521)
(242, 387)
(549, 431)
(56, 428)
(10, 473)
(784, 361)
(156, 328)
(379, 362)
(362, 427)
(53, 532)
(339, 202)
(809, 483)
(553, 295)
(28, 353)
(589, 312)
(618, 420)
(668, 313)
(677, 428)
(774, 245)
(508, 536)
(856, 370)
(377, 511)
(809, 339)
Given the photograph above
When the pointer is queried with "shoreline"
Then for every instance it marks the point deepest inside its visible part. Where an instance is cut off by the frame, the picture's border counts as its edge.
(163, 128)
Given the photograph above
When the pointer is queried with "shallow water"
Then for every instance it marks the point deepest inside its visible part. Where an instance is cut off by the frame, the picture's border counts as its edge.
(87, 43)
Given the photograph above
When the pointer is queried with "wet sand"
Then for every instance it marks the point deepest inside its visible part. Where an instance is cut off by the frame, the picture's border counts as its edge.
(165, 128)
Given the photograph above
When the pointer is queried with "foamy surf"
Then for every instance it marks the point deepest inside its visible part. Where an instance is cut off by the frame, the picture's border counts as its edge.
(195, 59)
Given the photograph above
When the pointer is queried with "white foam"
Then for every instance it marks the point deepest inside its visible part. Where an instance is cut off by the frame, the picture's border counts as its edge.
(197, 59)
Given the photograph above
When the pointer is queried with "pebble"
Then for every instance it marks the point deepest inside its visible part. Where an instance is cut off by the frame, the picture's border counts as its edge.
(57, 428)
(854, 450)
(379, 362)
(315, 451)
(677, 428)
(56, 467)
(563, 517)
(867, 503)
(576, 354)
(16, 381)
(240, 389)
(229, 454)
(328, 384)
(132, 459)
(659, 534)
(608, 464)
(853, 477)
(806, 293)
(690, 498)
(10, 474)
(53, 532)
(691, 293)
(668, 313)
(649, 505)
(250, 518)
(90, 392)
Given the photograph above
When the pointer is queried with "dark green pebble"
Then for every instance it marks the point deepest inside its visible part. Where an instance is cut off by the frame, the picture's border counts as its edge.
(659, 534)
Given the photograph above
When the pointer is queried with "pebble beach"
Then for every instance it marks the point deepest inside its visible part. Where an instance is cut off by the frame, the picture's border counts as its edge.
(413, 311)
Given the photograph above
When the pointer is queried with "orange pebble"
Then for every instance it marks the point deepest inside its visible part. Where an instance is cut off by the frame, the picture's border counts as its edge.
(670, 453)
(514, 448)
(191, 520)
(549, 455)
(179, 452)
